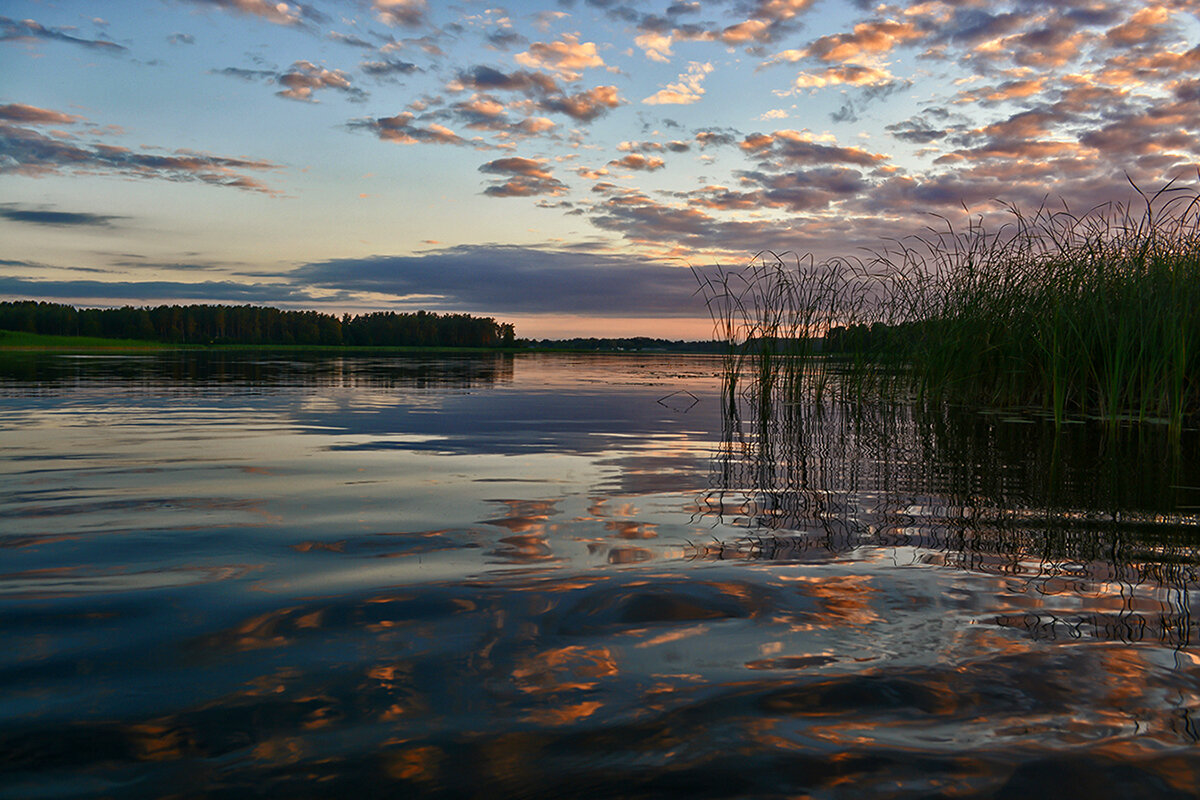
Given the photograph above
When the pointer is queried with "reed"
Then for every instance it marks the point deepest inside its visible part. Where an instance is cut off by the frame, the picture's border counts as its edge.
(1095, 314)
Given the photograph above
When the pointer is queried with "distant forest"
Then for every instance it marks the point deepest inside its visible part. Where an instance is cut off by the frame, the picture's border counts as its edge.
(209, 324)
(638, 343)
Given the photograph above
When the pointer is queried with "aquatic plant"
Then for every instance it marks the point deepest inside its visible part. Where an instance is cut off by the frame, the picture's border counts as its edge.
(1094, 314)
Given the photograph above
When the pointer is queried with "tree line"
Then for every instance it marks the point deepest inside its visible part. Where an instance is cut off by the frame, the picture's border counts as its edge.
(634, 343)
(263, 325)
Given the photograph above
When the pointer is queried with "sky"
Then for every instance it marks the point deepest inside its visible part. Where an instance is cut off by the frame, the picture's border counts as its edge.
(558, 165)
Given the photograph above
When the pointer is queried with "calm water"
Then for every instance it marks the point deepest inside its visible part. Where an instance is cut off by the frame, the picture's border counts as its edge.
(549, 576)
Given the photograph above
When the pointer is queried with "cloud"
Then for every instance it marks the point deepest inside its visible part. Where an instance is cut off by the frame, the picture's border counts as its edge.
(27, 30)
(32, 115)
(481, 111)
(505, 38)
(522, 177)
(247, 74)
(407, 13)
(768, 20)
(867, 39)
(806, 190)
(181, 38)
(656, 46)
(675, 146)
(761, 22)
(25, 151)
(304, 77)
(536, 125)
(928, 126)
(785, 148)
(388, 67)
(64, 219)
(402, 130)
(689, 88)
(276, 12)
(640, 162)
(565, 57)
(584, 106)
(721, 198)
(716, 138)
(350, 40)
(101, 292)
(489, 79)
(511, 279)
(301, 80)
(1146, 26)
(847, 74)
(1008, 90)
(543, 89)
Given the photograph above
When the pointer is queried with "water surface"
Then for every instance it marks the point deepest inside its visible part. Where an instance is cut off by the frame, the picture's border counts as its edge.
(548, 575)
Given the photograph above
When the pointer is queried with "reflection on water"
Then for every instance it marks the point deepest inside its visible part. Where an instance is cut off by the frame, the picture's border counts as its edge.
(1088, 513)
(546, 576)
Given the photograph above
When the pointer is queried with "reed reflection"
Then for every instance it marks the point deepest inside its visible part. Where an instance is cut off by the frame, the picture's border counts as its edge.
(1103, 521)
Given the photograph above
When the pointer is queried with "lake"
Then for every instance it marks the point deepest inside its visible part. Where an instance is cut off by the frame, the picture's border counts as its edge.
(544, 575)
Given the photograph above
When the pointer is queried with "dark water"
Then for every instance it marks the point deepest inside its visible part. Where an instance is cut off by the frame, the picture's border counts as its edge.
(554, 576)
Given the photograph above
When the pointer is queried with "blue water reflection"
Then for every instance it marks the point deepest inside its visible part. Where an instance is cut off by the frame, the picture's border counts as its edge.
(225, 574)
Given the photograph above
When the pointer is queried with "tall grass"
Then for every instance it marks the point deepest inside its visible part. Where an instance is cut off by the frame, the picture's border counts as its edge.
(1092, 314)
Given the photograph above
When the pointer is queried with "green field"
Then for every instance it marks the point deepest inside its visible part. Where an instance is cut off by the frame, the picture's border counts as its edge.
(20, 340)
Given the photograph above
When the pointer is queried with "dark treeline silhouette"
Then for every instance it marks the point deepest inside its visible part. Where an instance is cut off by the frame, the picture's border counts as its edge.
(214, 324)
(876, 338)
(629, 343)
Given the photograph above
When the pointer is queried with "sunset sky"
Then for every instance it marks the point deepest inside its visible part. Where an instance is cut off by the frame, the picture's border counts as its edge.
(556, 164)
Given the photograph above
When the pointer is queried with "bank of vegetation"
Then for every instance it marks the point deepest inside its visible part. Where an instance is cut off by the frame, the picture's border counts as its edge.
(626, 344)
(1092, 314)
(254, 325)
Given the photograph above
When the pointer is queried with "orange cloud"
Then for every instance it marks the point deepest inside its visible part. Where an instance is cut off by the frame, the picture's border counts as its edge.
(279, 13)
(565, 57)
(32, 115)
(639, 162)
(868, 38)
(526, 177)
(847, 74)
(1146, 25)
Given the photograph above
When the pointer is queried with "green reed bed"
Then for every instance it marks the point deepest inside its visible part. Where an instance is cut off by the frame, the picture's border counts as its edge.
(1095, 314)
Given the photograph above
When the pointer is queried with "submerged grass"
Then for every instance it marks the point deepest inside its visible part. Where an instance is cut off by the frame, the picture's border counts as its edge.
(1095, 314)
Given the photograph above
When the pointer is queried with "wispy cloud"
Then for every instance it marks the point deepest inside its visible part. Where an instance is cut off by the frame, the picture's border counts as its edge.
(277, 12)
(102, 292)
(26, 151)
(27, 30)
(14, 212)
(511, 279)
